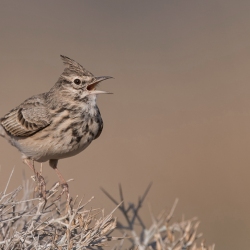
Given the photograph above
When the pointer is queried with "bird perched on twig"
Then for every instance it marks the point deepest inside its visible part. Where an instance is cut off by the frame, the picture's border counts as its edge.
(57, 124)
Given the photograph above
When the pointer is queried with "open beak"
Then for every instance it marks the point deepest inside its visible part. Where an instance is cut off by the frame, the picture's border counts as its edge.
(91, 87)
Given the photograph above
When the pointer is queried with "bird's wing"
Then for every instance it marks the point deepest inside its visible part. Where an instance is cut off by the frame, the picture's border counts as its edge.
(28, 118)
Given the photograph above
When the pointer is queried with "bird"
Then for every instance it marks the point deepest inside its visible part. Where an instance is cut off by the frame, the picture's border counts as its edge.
(59, 123)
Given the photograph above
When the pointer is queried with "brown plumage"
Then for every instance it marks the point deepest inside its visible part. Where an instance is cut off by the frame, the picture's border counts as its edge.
(59, 123)
(28, 118)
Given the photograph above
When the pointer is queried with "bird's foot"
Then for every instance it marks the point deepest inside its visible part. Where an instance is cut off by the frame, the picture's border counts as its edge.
(40, 187)
(65, 189)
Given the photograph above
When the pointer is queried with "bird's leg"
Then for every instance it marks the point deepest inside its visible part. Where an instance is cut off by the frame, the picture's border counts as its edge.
(64, 184)
(41, 184)
(39, 178)
(30, 165)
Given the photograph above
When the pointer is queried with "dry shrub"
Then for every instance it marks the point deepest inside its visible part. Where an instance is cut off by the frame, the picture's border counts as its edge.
(29, 223)
(162, 233)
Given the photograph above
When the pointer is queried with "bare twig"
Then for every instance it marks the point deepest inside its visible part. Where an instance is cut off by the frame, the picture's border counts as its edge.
(161, 234)
(24, 224)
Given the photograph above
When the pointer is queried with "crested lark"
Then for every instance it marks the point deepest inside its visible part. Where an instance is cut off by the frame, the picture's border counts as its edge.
(57, 124)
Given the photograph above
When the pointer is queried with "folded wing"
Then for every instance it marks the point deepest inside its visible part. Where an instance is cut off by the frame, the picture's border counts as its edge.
(27, 119)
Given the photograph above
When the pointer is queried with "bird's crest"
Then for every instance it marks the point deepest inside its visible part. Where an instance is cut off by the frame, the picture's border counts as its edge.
(73, 66)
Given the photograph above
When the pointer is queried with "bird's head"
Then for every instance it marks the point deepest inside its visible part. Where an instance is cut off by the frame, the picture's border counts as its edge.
(77, 81)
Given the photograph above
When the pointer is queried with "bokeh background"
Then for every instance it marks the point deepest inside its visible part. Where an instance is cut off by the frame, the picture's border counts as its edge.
(180, 115)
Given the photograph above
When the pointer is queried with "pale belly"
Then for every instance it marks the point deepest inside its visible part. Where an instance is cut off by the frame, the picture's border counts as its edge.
(58, 142)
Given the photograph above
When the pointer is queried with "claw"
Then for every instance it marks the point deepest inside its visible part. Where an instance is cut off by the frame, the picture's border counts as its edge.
(65, 189)
(64, 185)
(37, 177)
(33, 177)
(41, 186)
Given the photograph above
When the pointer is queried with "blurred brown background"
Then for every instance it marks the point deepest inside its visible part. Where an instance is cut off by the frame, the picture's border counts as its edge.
(180, 115)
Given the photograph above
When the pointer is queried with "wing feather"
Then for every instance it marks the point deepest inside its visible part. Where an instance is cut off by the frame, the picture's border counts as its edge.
(27, 119)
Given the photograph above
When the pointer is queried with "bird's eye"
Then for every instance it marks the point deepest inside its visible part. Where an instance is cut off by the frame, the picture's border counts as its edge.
(77, 81)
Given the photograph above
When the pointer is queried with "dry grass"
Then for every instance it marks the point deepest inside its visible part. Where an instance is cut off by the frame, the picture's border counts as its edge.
(27, 223)
(30, 224)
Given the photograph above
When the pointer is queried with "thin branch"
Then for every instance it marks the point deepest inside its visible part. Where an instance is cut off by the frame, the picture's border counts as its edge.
(6, 187)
